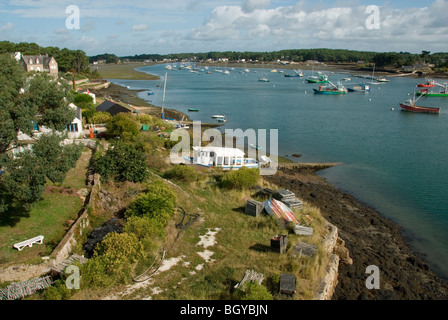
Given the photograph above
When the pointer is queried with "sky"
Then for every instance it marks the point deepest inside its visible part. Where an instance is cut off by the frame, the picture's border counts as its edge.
(177, 26)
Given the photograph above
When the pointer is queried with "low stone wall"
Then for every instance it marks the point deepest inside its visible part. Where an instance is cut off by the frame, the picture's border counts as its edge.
(335, 247)
(64, 248)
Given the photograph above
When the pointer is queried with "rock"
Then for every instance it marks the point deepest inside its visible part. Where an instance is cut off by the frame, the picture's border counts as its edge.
(98, 234)
(303, 231)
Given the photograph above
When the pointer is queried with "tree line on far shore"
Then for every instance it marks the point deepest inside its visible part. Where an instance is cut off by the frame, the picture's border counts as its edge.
(78, 60)
(380, 59)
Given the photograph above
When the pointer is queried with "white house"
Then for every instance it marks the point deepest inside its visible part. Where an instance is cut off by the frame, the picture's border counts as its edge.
(226, 158)
(74, 129)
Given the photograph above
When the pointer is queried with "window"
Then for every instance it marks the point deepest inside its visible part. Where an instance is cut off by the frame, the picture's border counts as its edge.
(73, 127)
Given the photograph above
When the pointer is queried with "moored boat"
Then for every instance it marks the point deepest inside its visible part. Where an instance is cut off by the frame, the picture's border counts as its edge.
(323, 78)
(331, 89)
(427, 93)
(428, 84)
(359, 88)
(412, 107)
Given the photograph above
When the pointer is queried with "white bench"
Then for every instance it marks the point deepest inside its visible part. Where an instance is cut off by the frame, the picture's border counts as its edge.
(20, 245)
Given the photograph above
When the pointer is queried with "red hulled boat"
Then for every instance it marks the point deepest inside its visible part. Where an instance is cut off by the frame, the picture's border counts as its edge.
(412, 107)
(428, 84)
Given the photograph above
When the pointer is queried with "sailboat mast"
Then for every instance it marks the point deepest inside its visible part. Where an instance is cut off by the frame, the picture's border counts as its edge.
(163, 97)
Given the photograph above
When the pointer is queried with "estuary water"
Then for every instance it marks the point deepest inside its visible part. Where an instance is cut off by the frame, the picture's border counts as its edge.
(394, 161)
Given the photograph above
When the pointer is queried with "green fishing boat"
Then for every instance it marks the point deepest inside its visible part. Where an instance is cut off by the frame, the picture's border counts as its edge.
(432, 94)
(331, 89)
(427, 93)
(193, 110)
(323, 78)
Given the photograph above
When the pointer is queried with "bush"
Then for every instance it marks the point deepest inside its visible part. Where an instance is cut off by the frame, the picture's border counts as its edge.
(100, 117)
(143, 227)
(157, 204)
(123, 162)
(253, 291)
(182, 173)
(122, 126)
(113, 260)
(241, 179)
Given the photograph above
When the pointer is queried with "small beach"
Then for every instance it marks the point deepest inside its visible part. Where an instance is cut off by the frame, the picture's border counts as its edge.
(371, 238)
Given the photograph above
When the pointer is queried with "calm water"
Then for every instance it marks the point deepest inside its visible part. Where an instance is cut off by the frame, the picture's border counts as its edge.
(394, 161)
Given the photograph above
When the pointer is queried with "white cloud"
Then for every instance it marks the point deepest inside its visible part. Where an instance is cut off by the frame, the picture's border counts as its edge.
(7, 27)
(338, 27)
(140, 27)
(250, 5)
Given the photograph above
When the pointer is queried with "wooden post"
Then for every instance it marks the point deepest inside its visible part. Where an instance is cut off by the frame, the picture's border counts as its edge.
(73, 76)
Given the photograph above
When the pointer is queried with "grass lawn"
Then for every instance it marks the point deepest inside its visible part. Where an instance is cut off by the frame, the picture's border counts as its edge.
(123, 71)
(48, 217)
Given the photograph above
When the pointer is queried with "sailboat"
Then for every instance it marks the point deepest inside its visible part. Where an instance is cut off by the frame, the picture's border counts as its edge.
(378, 80)
(297, 73)
(263, 78)
(162, 115)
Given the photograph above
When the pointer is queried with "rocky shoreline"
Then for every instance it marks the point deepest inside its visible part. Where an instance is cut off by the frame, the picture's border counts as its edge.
(371, 239)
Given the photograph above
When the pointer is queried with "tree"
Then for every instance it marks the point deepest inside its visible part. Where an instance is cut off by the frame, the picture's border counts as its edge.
(123, 162)
(42, 100)
(121, 125)
(157, 204)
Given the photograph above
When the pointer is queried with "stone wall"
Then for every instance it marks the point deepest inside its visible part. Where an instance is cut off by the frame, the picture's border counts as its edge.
(335, 247)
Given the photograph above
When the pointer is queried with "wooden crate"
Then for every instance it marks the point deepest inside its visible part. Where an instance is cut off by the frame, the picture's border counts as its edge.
(287, 284)
(279, 243)
(254, 208)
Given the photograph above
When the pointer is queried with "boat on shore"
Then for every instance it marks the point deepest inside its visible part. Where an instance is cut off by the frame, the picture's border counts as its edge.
(279, 210)
(225, 158)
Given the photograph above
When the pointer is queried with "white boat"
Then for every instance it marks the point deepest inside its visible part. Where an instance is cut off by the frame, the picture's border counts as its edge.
(218, 116)
(263, 79)
(225, 158)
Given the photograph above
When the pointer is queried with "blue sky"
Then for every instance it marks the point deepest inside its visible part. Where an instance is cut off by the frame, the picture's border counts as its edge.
(172, 26)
